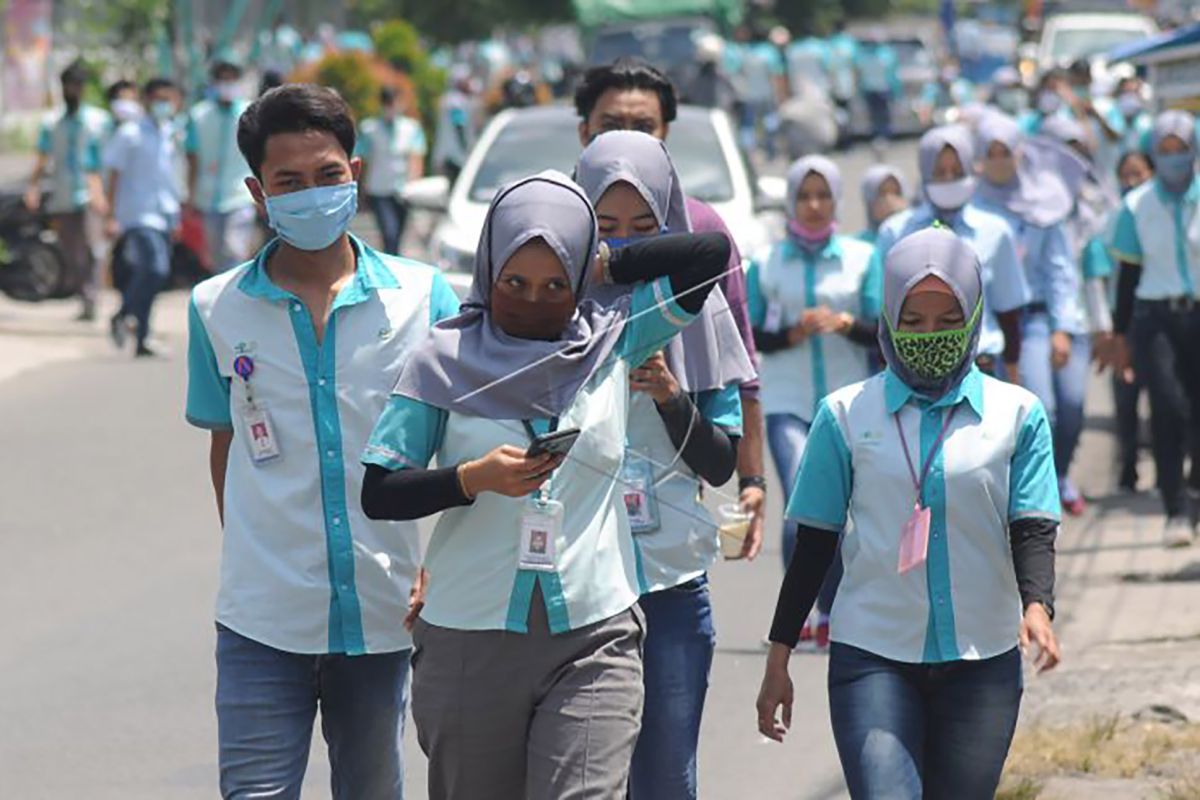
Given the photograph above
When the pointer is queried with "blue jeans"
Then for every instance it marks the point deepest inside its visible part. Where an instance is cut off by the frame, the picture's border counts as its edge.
(786, 437)
(267, 700)
(391, 215)
(879, 106)
(146, 259)
(676, 657)
(922, 731)
(1125, 402)
(754, 112)
(1061, 391)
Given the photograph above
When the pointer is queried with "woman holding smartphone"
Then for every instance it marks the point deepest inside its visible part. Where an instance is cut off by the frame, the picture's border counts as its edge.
(527, 673)
(943, 481)
(685, 421)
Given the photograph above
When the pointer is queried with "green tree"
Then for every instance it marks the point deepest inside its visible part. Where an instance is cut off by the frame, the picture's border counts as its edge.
(451, 22)
(353, 78)
(398, 43)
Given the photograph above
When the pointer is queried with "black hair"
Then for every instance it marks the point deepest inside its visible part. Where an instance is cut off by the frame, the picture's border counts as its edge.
(1135, 153)
(154, 84)
(122, 85)
(293, 108)
(75, 73)
(1080, 68)
(1052, 74)
(270, 79)
(625, 74)
(387, 95)
(224, 65)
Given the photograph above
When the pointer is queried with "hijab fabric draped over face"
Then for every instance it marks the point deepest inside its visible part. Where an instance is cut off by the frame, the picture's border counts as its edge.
(469, 365)
(708, 353)
(939, 253)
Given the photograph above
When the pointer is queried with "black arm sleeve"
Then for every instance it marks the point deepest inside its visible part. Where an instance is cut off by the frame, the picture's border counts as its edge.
(707, 448)
(815, 550)
(864, 332)
(770, 341)
(410, 493)
(693, 262)
(1010, 324)
(1128, 278)
(1033, 560)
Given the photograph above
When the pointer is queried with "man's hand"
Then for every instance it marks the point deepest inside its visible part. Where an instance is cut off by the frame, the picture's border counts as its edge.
(654, 378)
(112, 228)
(1037, 628)
(1060, 349)
(1121, 359)
(33, 198)
(753, 501)
(416, 599)
(776, 691)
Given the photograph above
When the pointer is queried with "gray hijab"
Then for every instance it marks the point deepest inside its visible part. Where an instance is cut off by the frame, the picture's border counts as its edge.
(469, 365)
(1049, 174)
(708, 353)
(801, 168)
(935, 140)
(937, 252)
(873, 179)
(1174, 123)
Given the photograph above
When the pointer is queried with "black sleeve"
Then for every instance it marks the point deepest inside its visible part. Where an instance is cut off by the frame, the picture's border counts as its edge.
(1127, 282)
(815, 551)
(1010, 325)
(693, 262)
(707, 448)
(1033, 560)
(864, 332)
(770, 341)
(410, 493)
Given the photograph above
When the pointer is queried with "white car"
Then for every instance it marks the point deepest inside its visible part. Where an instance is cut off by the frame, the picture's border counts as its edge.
(1069, 37)
(521, 142)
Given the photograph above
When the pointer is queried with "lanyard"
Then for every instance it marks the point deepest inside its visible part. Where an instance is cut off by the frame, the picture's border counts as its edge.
(919, 483)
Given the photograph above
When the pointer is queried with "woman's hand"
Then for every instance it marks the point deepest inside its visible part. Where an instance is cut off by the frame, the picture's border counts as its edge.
(1037, 628)
(507, 471)
(776, 691)
(1060, 349)
(654, 378)
(416, 598)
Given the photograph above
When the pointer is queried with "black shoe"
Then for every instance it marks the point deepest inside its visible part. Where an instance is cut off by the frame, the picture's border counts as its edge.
(144, 352)
(118, 330)
(88, 314)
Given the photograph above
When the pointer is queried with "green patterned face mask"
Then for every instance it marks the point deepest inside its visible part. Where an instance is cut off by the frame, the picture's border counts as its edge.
(933, 356)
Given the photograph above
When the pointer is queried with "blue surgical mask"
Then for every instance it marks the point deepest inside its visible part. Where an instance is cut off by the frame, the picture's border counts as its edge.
(162, 110)
(313, 219)
(1175, 169)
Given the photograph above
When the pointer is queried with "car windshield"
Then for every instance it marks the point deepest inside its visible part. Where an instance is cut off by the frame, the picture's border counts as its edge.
(1082, 42)
(531, 144)
(670, 46)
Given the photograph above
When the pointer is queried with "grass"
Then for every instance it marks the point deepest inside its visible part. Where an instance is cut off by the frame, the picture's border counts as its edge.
(1186, 789)
(1024, 789)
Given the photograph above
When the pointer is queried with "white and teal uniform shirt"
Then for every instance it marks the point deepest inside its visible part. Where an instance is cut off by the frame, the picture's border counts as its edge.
(74, 144)
(386, 146)
(996, 465)
(1161, 231)
(1004, 285)
(685, 544)
(302, 568)
(475, 579)
(221, 171)
(844, 276)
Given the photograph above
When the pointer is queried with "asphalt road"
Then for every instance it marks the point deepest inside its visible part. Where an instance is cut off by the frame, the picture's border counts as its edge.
(106, 667)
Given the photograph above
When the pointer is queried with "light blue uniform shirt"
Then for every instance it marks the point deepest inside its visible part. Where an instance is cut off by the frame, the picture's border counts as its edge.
(843, 58)
(1161, 231)
(221, 171)
(302, 568)
(386, 146)
(1050, 269)
(846, 276)
(74, 145)
(145, 156)
(476, 582)
(878, 69)
(1004, 284)
(996, 465)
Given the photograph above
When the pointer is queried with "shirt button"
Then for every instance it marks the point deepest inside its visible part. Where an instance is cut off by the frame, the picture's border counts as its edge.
(329, 454)
(296, 307)
(337, 520)
(320, 381)
(941, 601)
(345, 587)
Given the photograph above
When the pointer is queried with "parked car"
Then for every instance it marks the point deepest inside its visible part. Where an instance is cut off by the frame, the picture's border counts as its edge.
(669, 44)
(1069, 37)
(917, 56)
(522, 142)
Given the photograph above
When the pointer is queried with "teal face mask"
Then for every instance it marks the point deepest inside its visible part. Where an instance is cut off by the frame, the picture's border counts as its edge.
(313, 219)
(936, 355)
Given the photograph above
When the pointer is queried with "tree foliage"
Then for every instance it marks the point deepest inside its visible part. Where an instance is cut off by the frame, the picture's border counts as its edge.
(352, 75)
(462, 20)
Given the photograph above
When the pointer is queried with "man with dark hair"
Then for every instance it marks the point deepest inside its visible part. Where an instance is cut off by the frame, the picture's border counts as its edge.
(392, 147)
(122, 99)
(142, 161)
(216, 176)
(291, 358)
(69, 149)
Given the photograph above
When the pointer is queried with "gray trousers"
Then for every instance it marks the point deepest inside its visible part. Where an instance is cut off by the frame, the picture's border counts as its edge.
(509, 716)
(79, 236)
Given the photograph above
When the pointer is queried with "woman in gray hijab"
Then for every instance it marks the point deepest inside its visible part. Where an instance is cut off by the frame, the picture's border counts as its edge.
(684, 426)
(1032, 183)
(883, 194)
(941, 482)
(946, 158)
(527, 675)
(814, 305)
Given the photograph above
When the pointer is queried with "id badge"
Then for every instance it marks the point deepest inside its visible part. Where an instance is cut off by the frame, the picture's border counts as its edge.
(774, 317)
(637, 490)
(259, 433)
(541, 526)
(914, 540)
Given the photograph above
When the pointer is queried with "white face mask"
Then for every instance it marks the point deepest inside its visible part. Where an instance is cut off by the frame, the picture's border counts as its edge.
(950, 195)
(228, 91)
(124, 110)
(1130, 104)
(1049, 102)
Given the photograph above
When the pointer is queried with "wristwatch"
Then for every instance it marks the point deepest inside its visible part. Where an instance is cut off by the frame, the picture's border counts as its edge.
(756, 481)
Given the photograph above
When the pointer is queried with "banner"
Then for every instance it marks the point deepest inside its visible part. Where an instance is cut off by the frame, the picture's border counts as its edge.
(26, 55)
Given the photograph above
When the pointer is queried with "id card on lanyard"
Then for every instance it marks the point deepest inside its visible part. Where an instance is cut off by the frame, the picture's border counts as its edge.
(541, 522)
(257, 429)
(637, 490)
(914, 534)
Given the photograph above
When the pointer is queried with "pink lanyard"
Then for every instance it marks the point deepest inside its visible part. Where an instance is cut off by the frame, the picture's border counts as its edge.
(919, 483)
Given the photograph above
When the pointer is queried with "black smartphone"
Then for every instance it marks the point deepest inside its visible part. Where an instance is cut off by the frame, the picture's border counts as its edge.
(559, 443)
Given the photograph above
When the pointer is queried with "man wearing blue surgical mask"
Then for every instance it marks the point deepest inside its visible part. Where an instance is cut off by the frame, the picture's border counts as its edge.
(291, 359)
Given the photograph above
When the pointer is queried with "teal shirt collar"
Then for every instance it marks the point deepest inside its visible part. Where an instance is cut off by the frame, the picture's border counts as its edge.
(896, 393)
(370, 275)
(1192, 195)
(832, 251)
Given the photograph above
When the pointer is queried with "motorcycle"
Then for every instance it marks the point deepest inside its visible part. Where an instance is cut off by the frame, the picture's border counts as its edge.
(32, 265)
